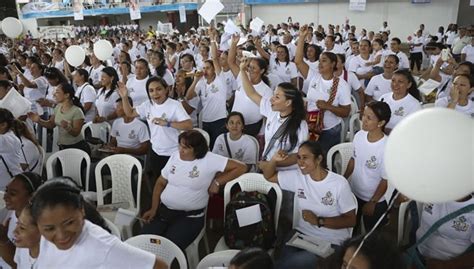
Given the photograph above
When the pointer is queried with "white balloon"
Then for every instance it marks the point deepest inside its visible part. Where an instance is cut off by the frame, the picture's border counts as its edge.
(75, 55)
(429, 155)
(12, 27)
(103, 49)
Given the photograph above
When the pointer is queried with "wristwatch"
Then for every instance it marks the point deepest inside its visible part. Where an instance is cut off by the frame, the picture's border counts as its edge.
(320, 222)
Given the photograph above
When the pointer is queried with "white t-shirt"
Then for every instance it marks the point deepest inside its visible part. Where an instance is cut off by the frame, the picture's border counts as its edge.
(32, 154)
(247, 107)
(23, 259)
(352, 80)
(230, 83)
(95, 248)
(358, 66)
(452, 238)
(469, 51)
(87, 94)
(274, 121)
(404, 63)
(95, 74)
(106, 105)
(417, 40)
(284, 71)
(164, 140)
(33, 94)
(450, 36)
(467, 109)
(213, 97)
(137, 89)
(243, 149)
(369, 166)
(167, 76)
(188, 181)
(320, 89)
(337, 49)
(400, 108)
(330, 197)
(10, 152)
(129, 135)
(378, 86)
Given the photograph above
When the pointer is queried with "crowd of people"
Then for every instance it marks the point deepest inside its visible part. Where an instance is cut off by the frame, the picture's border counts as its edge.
(289, 86)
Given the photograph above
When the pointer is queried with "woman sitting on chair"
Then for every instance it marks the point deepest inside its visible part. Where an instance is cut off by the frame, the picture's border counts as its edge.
(324, 199)
(67, 235)
(182, 191)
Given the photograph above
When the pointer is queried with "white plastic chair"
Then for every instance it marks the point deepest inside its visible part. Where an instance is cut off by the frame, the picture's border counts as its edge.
(354, 105)
(192, 251)
(205, 134)
(402, 219)
(39, 167)
(251, 182)
(297, 213)
(114, 230)
(217, 259)
(160, 246)
(98, 130)
(355, 125)
(121, 166)
(257, 152)
(71, 161)
(341, 161)
(427, 105)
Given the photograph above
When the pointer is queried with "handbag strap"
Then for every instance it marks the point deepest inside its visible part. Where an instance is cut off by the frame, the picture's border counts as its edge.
(442, 221)
(6, 166)
(227, 145)
(332, 96)
(274, 138)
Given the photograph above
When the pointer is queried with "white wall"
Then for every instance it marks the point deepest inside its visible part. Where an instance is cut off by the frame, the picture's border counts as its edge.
(403, 17)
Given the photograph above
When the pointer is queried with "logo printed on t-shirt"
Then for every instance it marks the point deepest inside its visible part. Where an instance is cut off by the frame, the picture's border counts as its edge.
(132, 135)
(173, 169)
(328, 199)
(220, 147)
(399, 112)
(372, 163)
(117, 133)
(300, 193)
(194, 173)
(461, 224)
(428, 208)
(239, 155)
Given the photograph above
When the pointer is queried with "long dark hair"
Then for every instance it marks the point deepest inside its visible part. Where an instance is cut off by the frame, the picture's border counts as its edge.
(262, 63)
(54, 73)
(381, 110)
(316, 150)
(161, 69)
(151, 80)
(297, 115)
(252, 258)
(63, 191)
(413, 90)
(6, 116)
(31, 181)
(287, 58)
(315, 47)
(110, 71)
(67, 88)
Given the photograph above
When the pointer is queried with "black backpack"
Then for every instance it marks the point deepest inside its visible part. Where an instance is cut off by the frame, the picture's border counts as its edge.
(261, 234)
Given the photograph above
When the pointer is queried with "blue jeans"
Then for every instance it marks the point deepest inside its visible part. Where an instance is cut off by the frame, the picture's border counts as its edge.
(330, 138)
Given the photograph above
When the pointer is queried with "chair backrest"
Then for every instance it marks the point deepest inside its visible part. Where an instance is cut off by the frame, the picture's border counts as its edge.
(297, 212)
(427, 105)
(160, 246)
(113, 228)
(257, 151)
(40, 165)
(44, 140)
(205, 134)
(2, 202)
(71, 163)
(217, 259)
(121, 167)
(255, 182)
(345, 151)
(98, 130)
(344, 127)
(355, 125)
(354, 105)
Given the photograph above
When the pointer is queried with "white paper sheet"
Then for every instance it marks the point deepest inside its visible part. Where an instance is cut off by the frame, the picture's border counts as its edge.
(428, 86)
(256, 24)
(124, 217)
(315, 245)
(17, 104)
(248, 215)
(210, 9)
(231, 28)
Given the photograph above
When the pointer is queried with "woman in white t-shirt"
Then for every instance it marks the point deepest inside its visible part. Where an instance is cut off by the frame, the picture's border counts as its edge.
(67, 235)
(324, 199)
(359, 65)
(459, 96)
(381, 84)
(30, 149)
(17, 196)
(11, 159)
(404, 98)
(285, 128)
(181, 193)
(235, 144)
(257, 70)
(366, 170)
(35, 88)
(107, 96)
(158, 64)
(354, 84)
(85, 93)
(136, 85)
(166, 118)
(95, 71)
(27, 240)
(450, 246)
(282, 66)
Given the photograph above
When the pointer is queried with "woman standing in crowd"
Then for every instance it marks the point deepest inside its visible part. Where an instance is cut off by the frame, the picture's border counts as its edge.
(404, 98)
(85, 93)
(55, 77)
(30, 149)
(182, 191)
(257, 69)
(36, 88)
(95, 71)
(166, 118)
(325, 202)
(69, 118)
(159, 67)
(354, 84)
(107, 96)
(68, 236)
(366, 170)
(381, 84)
(359, 66)
(280, 63)
(136, 85)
